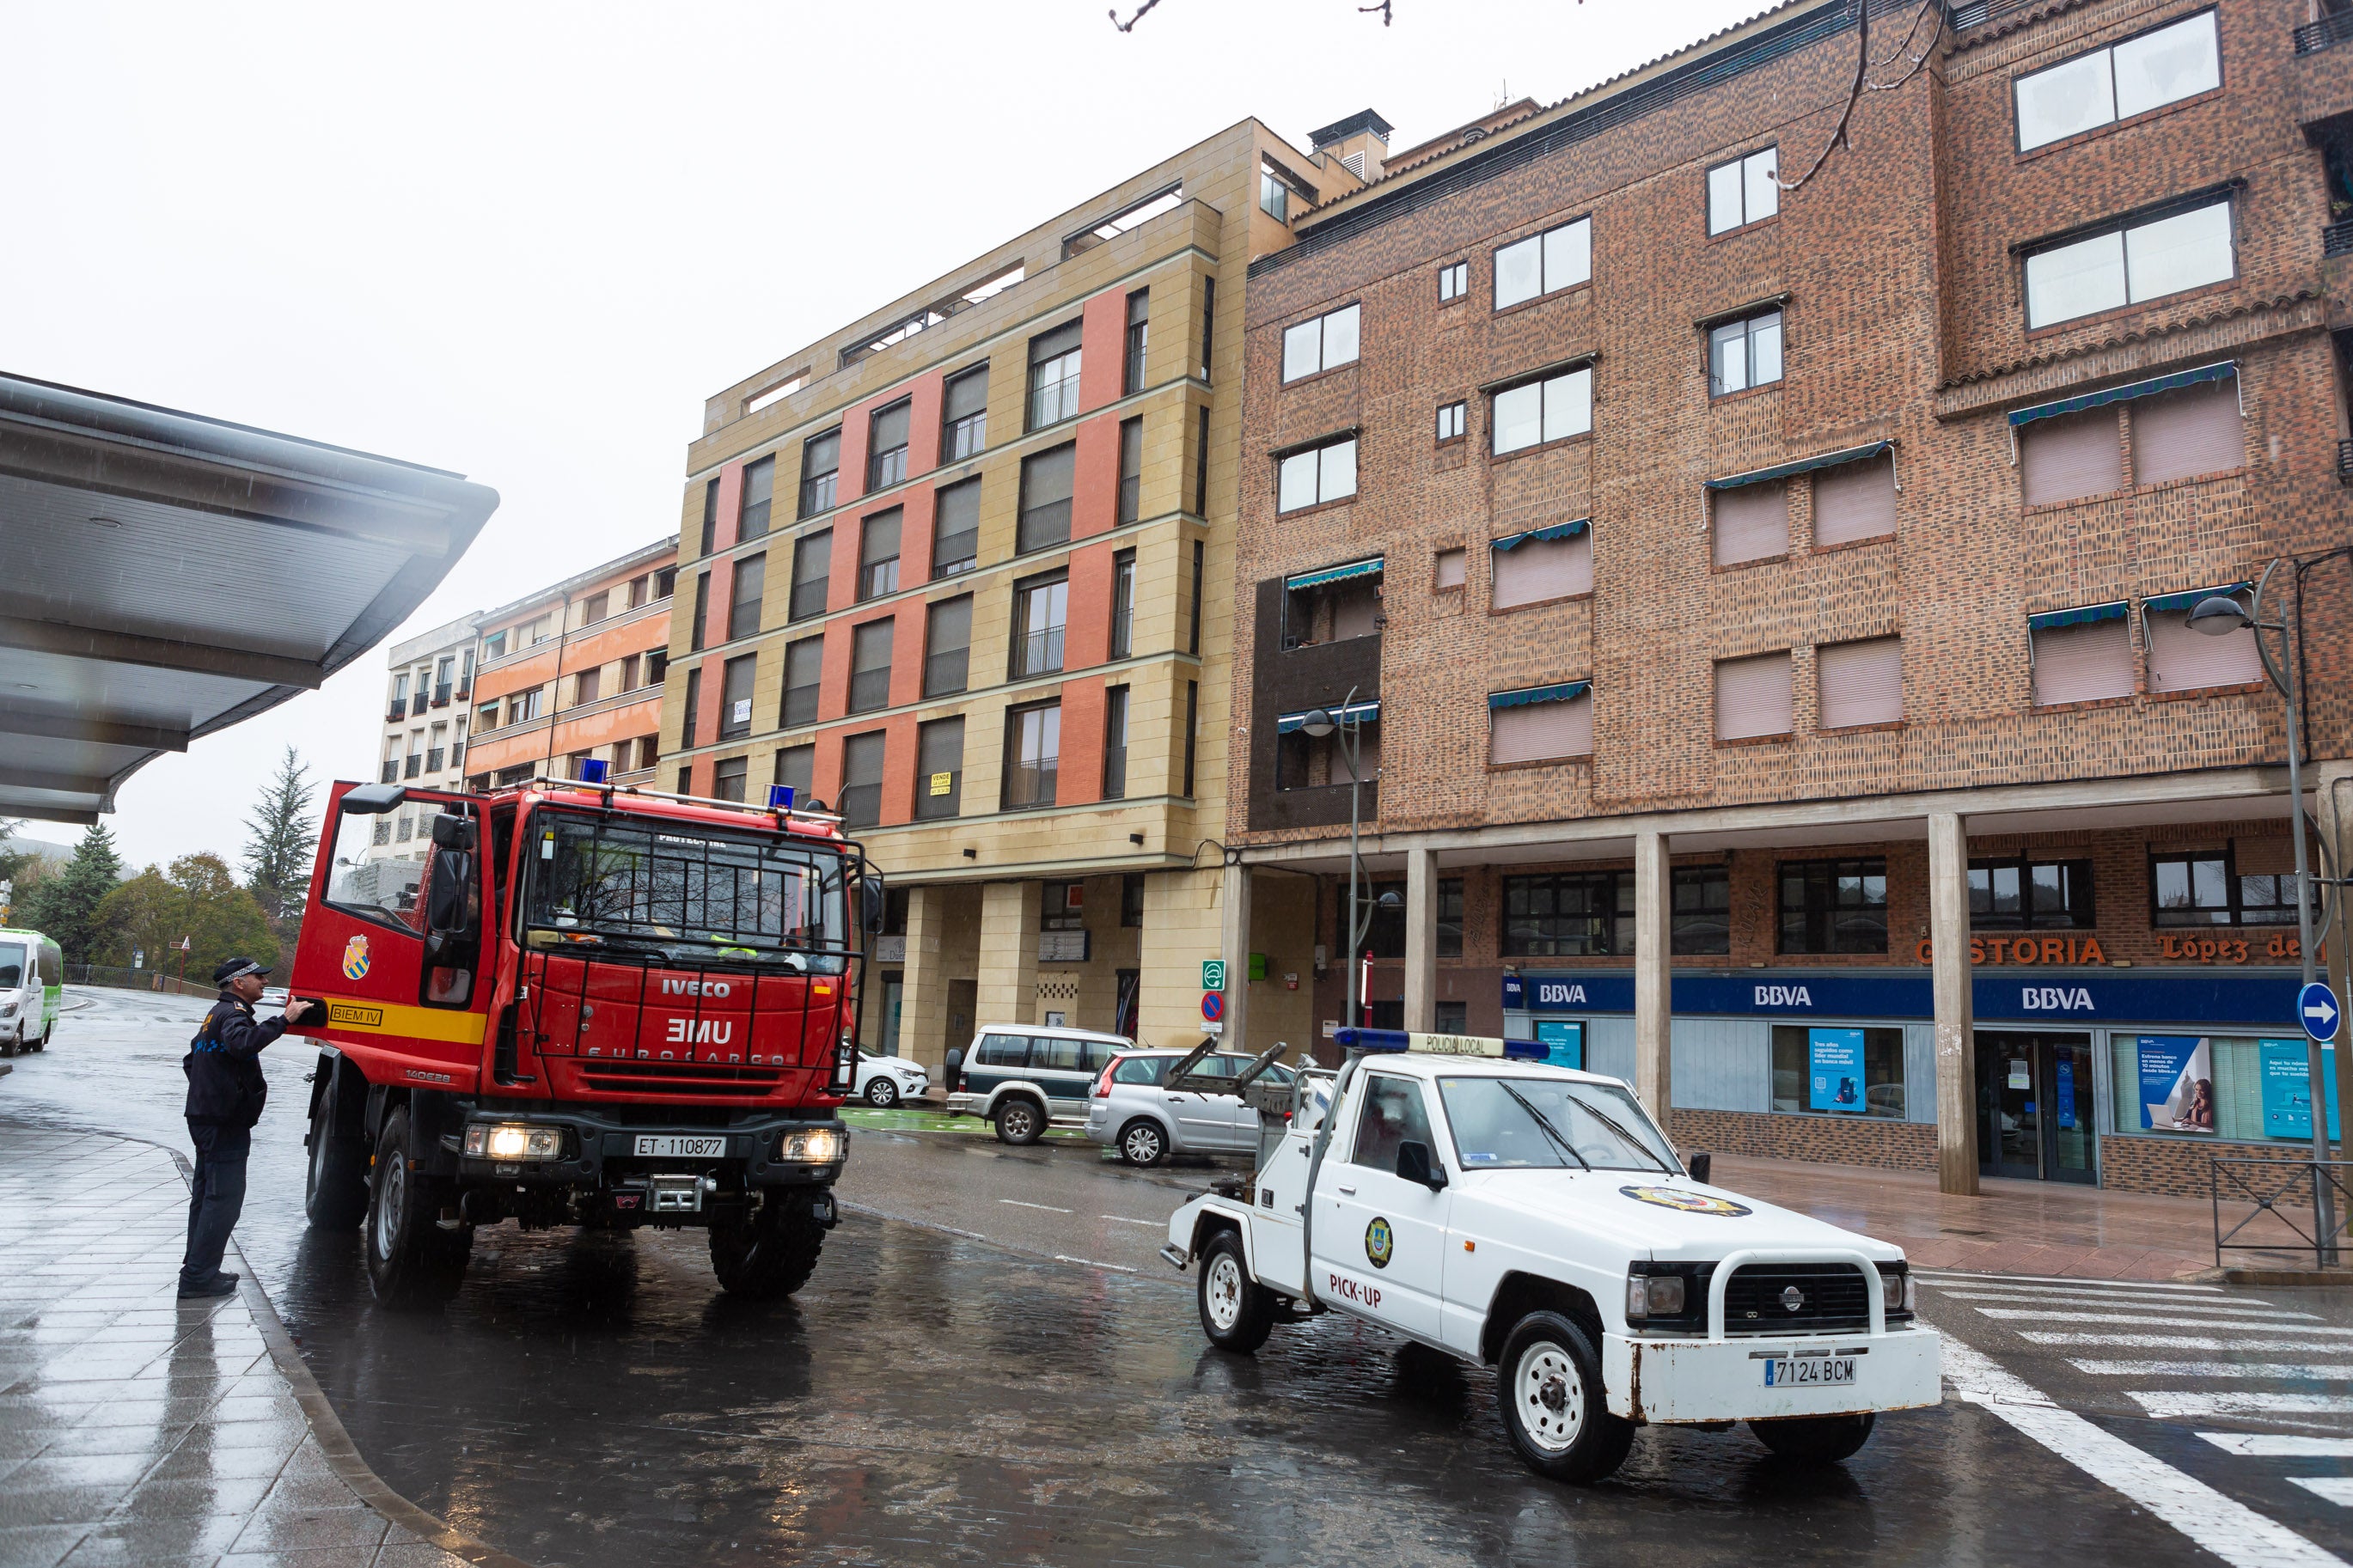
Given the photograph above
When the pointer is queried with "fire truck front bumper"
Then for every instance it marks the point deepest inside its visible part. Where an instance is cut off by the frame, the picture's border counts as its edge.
(578, 1149)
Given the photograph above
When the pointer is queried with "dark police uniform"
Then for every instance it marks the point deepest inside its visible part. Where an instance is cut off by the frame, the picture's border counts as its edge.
(225, 1094)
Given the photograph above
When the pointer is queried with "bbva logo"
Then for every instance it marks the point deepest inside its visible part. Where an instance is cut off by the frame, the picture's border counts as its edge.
(701, 1032)
(2054, 999)
(694, 988)
(1783, 996)
(1561, 994)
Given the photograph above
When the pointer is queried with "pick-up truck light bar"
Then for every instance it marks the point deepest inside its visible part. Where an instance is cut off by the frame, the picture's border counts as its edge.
(1441, 1045)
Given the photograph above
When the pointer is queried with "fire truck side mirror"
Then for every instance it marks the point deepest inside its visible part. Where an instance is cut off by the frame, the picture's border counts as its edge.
(450, 915)
(453, 832)
(873, 896)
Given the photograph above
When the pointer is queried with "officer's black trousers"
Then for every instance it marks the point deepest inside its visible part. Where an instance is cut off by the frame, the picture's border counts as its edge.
(215, 1197)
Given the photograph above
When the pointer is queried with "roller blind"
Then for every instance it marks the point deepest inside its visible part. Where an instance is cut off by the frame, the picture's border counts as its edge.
(1752, 697)
(1861, 682)
(967, 395)
(2072, 455)
(2182, 659)
(2196, 430)
(1538, 569)
(1536, 732)
(1451, 564)
(2083, 663)
(1856, 502)
(879, 540)
(1752, 522)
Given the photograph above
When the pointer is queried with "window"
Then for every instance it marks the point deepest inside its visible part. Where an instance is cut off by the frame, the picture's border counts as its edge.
(1834, 906)
(1743, 353)
(1751, 522)
(1139, 311)
(964, 415)
(820, 467)
(939, 769)
(2081, 656)
(685, 778)
(1123, 605)
(1544, 263)
(2160, 66)
(1325, 343)
(629, 674)
(886, 446)
(727, 778)
(1449, 919)
(1114, 774)
(2070, 457)
(2181, 660)
(870, 666)
(493, 646)
(701, 609)
(1529, 569)
(1192, 724)
(710, 516)
(776, 393)
(1855, 502)
(1131, 468)
(1385, 930)
(1585, 914)
(586, 686)
(1193, 636)
(1041, 608)
(759, 499)
(657, 667)
(743, 607)
(1393, 1115)
(527, 705)
(947, 646)
(1320, 473)
(486, 717)
(1744, 191)
(812, 566)
(1450, 569)
(2130, 264)
(1133, 216)
(1046, 499)
(1860, 683)
(2018, 893)
(1208, 327)
(1033, 746)
(2209, 886)
(1062, 906)
(735, 697)
(1307, 761)
(878, 554)
(1855, 1072)
(1752, 697)
(795, 767)
(1699, 917)
(2183, 433)
(955, 528)
(690, 721)
(1201, 463)
(1274, 196)
(1330, 610)
(1054, 375)
(1131, 900)
(804, 671)
(1452, 420)
(1541, 726)
(648, 752)
(1535, 412)
(1453, 280)
(665, 582)
(861, 780)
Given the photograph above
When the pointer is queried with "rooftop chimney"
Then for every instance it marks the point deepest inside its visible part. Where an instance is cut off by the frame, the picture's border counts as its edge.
(1359, 143)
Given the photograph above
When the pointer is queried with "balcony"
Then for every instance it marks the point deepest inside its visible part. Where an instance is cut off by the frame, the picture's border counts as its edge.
(465, 690)
(2345, 462)
(2314, 36)
(432, 761)
(2336, 239)
(416, 764)
(441, 695)
(397, 712)
(392, 772)
(416, 703)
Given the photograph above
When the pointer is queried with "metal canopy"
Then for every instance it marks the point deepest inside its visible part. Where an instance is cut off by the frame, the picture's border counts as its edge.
(1333, 575)
(1564, 691)
(2125, 393)
(1803, 465)
(2113, 611)
(169, 575)
(2191, 596)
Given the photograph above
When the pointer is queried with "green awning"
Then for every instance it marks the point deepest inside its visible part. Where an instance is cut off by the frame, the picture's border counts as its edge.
(2050, 618)
(1557, 531)
(1803, 465)
(1365, 713)
(1333, 575)
(1567, 691)
(2183, 601)
(2149, 388)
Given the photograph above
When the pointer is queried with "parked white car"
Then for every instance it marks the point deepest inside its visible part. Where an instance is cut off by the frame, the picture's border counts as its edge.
(1131, 1110)
(884, 1082)
(1534, 1219)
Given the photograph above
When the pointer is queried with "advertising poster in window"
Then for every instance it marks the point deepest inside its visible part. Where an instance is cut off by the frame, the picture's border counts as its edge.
(1834, 1069)
(1563, 1042)
(2287, 1088)
(2177, 1084)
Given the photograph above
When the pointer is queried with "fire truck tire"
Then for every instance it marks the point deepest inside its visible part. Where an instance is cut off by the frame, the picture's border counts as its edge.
(411, 1260)
(1019, 1121)
(1556, 1410)
(771, 1255)
(1237, 1311)
(336, 1190)
(1815, 1439)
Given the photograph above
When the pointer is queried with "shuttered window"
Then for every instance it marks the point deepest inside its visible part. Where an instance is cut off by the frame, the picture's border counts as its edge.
(878, 554)
(947, 647)
(1452, 565)
(1861, 682)
(1046, 499)
(812, 564)
(1855, 502)
(1540, 731)
(795, 766)
(2195, 431)
(744, 599)
(735, 697)
(804, 665)
(955, 528)
(1752, 522)
(2181, 660)
(939, 768)
(964, 415)
(2086, 662)
(869, 665)
(1539, 569)
(2070, 457)
(861, 780)
(1752, 697)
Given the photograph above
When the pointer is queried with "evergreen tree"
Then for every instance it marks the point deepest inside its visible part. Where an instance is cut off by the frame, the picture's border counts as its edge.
(65, 907)
(284, 836)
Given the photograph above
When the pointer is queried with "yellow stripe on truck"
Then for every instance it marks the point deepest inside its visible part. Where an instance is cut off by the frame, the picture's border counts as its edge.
(410, 1022)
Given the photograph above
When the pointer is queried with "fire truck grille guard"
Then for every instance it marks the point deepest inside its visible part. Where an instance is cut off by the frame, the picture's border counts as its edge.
(677, 1078)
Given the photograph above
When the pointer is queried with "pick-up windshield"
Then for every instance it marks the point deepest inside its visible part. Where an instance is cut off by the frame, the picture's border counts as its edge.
(676, 892)
(1506, 1123)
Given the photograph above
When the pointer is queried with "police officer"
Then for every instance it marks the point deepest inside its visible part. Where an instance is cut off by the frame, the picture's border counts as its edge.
(226, 1093)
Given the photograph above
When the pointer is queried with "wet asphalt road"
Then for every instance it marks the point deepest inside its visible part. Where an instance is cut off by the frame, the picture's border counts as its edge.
(935, 1396)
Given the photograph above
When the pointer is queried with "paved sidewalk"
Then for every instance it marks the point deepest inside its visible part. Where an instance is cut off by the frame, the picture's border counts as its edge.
(135, 1428)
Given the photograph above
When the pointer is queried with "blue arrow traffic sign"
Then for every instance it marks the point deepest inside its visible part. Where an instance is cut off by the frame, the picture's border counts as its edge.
(2317, 1006)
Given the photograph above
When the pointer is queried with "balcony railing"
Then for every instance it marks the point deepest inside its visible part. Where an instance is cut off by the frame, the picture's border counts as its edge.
(397, 712)
(2345, 462)
(2314, 36)
(2336, 239)
(392, 772)
(416, 703)
(465, 690)
(432, 761)
(441, 695)
(416, 764)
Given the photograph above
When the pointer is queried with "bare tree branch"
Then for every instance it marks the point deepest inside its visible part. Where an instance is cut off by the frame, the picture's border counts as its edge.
(1129, 26)
(1842, 134)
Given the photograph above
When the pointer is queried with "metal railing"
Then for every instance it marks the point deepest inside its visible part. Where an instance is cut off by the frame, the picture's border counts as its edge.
(398, 711)
(137, 980)
(2336, 239)
(2345, 462)
(2314, 36)
(2271, 1203)
(392, 772)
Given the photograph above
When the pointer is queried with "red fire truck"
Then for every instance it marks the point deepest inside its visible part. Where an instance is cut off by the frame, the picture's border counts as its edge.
(585, 1006)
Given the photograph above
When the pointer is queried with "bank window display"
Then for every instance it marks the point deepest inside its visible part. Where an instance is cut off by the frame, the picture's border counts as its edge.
(2245, 882)
(2024, 894)
(1834, 906)
(1838, 1072)
(1700, 922)
(1585, 914)
(2243, 1087)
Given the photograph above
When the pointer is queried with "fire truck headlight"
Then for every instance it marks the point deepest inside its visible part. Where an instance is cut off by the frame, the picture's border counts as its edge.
(513, 1141)
(811, 1146)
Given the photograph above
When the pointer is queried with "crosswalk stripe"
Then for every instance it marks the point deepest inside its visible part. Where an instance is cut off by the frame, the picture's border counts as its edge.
(2167, 1403)
(2151, 1308)
(2177, 1342)
(2280, 1445)
(2263, 1325)
(2337, 1489)
(2103, 1299)
(2308, 1370)
(1944, 1274)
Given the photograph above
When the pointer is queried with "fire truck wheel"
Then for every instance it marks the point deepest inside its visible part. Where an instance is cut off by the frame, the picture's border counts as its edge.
(1548, 1383)
(1019, 1121)
(336, 1191)
(1237, 1311)
(770, 1255)
(410, 1258)
(1815, 1439)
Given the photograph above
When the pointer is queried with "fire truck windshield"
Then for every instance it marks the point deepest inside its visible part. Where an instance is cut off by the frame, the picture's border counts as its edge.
(642, 891)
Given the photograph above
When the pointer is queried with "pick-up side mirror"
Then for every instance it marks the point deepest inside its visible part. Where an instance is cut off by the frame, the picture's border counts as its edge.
(1414, 1164)
(1699, 1163)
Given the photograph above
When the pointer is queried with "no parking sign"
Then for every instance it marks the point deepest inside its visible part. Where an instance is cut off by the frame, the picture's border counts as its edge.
(1213, 1006)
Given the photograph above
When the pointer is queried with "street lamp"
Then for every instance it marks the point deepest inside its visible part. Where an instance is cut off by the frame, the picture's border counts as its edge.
(1349, 723)
(2220, 616)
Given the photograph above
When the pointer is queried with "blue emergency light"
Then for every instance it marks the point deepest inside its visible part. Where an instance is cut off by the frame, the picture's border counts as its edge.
(592, 770)
(780, 797)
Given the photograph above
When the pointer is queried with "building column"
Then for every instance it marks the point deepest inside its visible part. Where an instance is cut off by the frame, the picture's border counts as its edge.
(2333, 821)
(1234, 946)
(1422, 941)
(1956, 1054)
(925, 996)
(1653, 997)
(1008, 953)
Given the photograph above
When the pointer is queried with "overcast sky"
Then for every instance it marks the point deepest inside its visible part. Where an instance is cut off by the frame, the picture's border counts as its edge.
(526, 241)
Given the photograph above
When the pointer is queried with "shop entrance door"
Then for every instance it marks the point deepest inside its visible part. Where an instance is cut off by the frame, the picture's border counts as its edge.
(2034, 1107)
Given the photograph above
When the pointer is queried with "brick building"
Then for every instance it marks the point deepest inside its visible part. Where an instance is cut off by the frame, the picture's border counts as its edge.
(960, 570)
(1717, 571)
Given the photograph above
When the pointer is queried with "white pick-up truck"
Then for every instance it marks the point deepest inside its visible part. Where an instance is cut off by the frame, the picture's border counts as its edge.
(1534, 1219)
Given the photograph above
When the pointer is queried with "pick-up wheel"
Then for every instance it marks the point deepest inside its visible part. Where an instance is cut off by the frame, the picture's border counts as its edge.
(1237, 1311)
(1140, 1142)
(1815, 1439)
(411, 1260)
(1019, 1121)
(1548, 1384)
(881, 1092)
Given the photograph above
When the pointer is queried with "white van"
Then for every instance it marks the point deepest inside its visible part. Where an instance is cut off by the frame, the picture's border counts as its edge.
(32, 989)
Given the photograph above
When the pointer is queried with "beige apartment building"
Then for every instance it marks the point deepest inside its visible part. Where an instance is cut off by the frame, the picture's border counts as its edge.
(431, 676)
(963, 571)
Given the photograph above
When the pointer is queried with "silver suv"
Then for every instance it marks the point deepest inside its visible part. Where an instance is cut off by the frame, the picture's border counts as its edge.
(1132, 1112)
